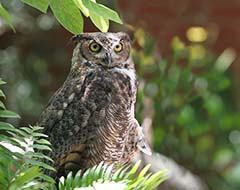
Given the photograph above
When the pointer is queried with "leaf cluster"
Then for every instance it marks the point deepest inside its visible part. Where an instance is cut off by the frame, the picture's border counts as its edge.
(103, 174)
(20, 165)
(69, 13)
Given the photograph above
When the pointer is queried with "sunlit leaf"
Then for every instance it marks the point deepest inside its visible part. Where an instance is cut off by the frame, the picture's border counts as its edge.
(8, 114)
(7, 126)
(100, 175)
(38, 155)
(6, 16)
(43, 141)
(41, 5)
(68, 14)
(38, 163)
(2, 94)
(144, 170)
(24, 178)
(225, 60)
(2, 82)
(2, 105)
(133, 169)
(49, 179)
(100, 22)
(81, 6)
(41, 147)
(155, 179)
(102, 10)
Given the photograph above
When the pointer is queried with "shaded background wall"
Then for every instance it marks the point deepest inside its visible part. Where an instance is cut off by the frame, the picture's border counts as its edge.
(168, 18)
(35, 61)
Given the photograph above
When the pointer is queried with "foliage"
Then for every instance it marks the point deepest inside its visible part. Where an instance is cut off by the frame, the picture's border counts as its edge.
(6, 16)
(101, 177)
(20, 166)
(194, 113)
(68, 13)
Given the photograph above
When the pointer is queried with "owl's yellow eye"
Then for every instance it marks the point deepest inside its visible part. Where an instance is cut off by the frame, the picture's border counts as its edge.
(95, 47)
(118, 48)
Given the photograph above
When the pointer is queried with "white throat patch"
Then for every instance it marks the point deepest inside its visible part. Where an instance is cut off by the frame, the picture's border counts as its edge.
(129, 72)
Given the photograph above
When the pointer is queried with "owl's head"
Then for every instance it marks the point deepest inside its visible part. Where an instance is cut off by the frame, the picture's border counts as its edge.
(106, 49)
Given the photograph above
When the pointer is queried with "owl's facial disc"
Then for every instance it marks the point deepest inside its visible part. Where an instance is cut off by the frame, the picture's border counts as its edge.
(106, 49)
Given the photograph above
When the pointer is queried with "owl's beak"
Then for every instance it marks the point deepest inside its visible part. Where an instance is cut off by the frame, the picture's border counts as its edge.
(107, 58)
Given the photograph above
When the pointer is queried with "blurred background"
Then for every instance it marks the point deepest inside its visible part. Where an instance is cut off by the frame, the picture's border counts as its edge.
(187, 59)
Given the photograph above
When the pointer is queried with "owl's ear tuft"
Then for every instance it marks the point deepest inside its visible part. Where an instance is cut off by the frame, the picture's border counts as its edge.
(77, 38)
(125, 37)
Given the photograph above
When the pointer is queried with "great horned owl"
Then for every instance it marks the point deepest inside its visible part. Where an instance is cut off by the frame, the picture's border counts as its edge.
(91, 117)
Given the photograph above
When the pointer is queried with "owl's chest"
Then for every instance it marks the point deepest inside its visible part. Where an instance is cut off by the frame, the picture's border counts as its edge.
(124, 86)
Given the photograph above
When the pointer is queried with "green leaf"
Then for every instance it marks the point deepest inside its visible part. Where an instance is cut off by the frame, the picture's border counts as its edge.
(41, 5)
(102, 173)
(2, 105)
(123, 171)
(144, 170)
(77, 178)
(38, 155)
(35, 128)
(102, 10)
(6, 16)
(155, 179)
(48, 179)
(26, 129)
(2, 82)
(99, 170)
(100, 22)
(69, 180)
(136, 184)
(41, 147)
(2, 94)
(8, 126)
(8, 114)
(3, 180)
(116, 174)
(80, 5)
(11, 156)
(43, 141)
(25, 177)
(107, 172)
(133, 170)
(38, 135)
(41, 164)
(68, 14)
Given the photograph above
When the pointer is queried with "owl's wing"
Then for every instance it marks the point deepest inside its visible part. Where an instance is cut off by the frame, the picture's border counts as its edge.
(71, 116)
(56, 105)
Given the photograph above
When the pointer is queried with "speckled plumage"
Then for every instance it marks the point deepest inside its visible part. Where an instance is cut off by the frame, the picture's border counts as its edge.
(91, 117)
